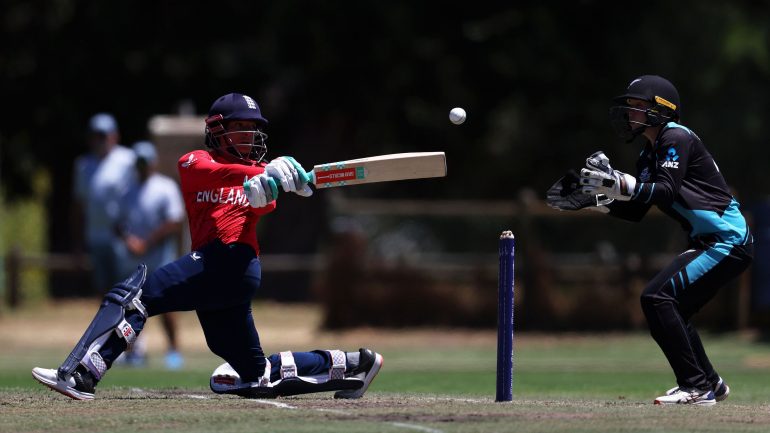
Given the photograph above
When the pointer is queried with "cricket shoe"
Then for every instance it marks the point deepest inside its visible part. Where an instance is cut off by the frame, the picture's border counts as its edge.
(80, 386)
(688, 396)
(721, 390)
(369, 365)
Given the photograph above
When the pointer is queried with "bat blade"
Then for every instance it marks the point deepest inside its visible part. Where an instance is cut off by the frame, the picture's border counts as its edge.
(382, 168)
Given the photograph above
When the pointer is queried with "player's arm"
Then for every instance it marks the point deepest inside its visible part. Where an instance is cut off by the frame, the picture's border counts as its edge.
(628, 210)
(566, 194)
(600, 178)
(673, 157)
(199, 172)
(260, 189)
(664, 186)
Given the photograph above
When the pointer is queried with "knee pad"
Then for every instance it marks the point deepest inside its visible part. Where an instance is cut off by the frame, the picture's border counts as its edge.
(111, 317)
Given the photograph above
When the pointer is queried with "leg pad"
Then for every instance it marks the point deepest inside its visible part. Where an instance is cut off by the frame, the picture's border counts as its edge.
(225, 380)
(124, 296)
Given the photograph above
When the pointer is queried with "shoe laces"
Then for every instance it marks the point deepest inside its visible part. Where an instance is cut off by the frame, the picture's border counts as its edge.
(692, 393)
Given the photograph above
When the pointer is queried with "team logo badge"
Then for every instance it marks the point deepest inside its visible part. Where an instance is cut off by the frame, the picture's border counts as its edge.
(189, 161)
(671, 159)
(250, 102)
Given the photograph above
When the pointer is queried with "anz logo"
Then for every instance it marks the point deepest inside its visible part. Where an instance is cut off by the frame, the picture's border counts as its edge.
(671, 159)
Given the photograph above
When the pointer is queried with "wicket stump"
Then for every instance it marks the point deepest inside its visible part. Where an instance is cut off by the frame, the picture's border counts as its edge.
(505, 319)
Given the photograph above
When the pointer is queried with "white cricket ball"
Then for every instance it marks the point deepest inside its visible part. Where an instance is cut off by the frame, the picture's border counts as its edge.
(457, 116)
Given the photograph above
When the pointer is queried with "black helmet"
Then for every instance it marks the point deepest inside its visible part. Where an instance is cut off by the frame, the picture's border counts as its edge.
(654, 89)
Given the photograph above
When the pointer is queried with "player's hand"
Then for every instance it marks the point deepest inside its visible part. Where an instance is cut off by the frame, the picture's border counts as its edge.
(290, 174)
(599, 178)
(136, 245)
(260, 190)
(566, 194)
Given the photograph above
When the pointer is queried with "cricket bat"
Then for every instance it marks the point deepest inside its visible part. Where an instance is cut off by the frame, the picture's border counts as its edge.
(382, 168)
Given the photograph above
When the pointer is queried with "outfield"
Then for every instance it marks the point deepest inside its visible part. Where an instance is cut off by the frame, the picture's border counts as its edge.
(432, 381)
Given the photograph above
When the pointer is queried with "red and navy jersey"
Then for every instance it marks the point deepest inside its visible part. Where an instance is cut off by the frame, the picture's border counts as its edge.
(217, 207)
(678, 174)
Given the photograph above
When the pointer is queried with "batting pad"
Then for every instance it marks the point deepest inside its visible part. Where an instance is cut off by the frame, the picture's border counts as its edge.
(225, 380)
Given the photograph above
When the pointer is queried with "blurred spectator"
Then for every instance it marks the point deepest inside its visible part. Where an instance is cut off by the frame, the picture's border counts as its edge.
(101, 178)
(152, 212)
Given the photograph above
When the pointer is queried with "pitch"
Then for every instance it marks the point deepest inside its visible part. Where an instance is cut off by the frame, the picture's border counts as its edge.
(440, 380)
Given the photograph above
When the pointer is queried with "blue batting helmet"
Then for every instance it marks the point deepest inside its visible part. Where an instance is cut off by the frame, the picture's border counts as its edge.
(230, 107)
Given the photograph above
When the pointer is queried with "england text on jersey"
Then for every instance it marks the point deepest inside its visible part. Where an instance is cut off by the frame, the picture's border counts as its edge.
(234, 196)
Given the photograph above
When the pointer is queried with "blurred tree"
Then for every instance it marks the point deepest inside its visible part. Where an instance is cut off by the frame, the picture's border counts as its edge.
(347, 79)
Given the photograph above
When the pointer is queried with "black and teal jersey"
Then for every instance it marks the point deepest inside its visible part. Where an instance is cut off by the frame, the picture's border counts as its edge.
(679, 176)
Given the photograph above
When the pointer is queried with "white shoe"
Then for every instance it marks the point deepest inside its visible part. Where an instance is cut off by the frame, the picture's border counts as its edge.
(721, 390)
(370, 362)
(76, 389)
(688, 396)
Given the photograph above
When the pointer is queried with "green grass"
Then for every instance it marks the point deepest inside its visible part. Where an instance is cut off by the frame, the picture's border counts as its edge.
(572, 383)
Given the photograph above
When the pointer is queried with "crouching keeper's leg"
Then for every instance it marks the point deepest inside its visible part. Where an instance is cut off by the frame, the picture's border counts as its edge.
(293, 373)
(117, 323)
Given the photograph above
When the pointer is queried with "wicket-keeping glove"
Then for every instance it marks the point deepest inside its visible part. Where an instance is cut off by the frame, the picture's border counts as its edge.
(565, 194)
(599, 178)
(290, 174)
(260, 190)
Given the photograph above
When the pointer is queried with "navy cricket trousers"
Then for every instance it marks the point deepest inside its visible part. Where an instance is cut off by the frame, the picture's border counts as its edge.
(218, 282)
(679, 291)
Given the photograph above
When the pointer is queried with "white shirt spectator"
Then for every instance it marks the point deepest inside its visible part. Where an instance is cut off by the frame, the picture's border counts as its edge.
(145, 207)
(100, 186)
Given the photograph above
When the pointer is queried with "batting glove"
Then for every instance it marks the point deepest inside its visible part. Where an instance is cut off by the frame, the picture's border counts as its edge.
(260, 190)
(599, 178)
(290, 174)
